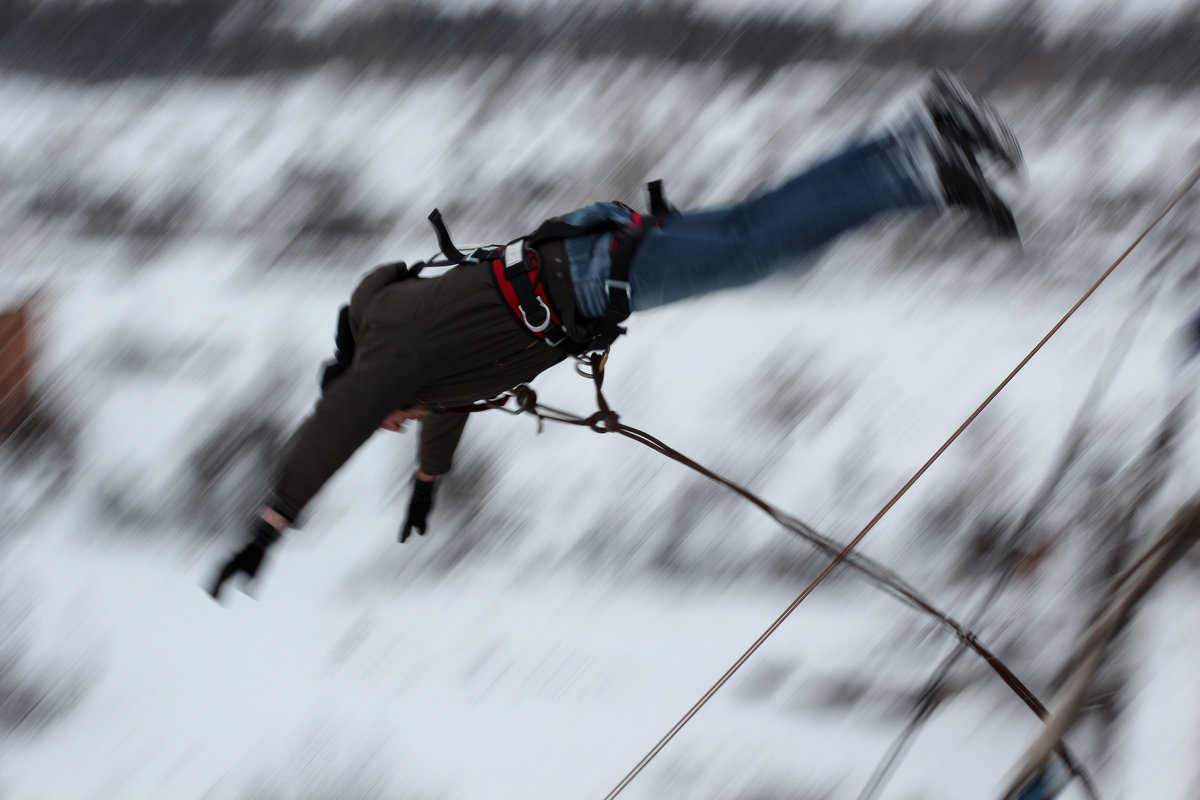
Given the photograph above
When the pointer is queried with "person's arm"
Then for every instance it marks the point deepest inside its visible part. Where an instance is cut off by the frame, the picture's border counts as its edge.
(359, 388)
(440, 434)
(347, 414)
(273, 518)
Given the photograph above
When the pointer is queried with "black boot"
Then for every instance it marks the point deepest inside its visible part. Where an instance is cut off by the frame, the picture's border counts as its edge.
(964, 185)
(959, 129)
(971, 123)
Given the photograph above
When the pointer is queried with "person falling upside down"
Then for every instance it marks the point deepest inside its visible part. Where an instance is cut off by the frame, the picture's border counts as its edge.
(419, 349)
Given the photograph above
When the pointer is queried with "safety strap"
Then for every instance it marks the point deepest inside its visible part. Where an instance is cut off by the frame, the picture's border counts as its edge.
(515, 269)
(623, 245)
(659, 207)
(520, 284)
(453, 254)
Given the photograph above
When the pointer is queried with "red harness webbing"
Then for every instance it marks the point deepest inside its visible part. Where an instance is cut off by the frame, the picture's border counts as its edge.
(512, 296)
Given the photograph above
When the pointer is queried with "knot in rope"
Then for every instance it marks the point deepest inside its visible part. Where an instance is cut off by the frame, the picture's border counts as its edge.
(527, 398)
(527, 402)
(604, 421)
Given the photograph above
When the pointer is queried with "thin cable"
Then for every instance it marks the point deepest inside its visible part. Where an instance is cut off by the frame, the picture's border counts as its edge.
(931, 694)
(633, 773)
(875, 572)
(607, 421)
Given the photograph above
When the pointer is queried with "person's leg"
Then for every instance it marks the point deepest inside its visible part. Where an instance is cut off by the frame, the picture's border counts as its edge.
(699, 252)
(929, 160)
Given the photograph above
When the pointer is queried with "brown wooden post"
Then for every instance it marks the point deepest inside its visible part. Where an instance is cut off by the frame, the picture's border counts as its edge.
(16, 365)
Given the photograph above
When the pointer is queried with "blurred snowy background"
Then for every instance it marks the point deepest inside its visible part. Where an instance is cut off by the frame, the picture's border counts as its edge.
(189, 190)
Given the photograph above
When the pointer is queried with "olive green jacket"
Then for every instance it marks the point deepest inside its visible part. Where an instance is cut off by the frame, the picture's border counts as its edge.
(445, 341)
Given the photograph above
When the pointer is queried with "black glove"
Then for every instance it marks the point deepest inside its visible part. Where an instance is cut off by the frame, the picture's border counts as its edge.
(249, 559)
(418, 508)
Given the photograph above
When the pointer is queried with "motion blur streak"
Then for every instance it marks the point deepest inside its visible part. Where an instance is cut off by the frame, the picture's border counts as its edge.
(190, 188)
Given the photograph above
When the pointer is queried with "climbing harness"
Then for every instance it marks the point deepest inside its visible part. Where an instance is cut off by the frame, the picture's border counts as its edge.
(519, 271)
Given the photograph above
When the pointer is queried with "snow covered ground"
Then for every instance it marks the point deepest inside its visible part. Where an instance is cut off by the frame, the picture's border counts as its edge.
(546, 633)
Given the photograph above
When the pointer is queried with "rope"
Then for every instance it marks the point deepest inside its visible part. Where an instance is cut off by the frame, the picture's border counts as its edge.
(931, 693)
(1179, 194)
(605, 420)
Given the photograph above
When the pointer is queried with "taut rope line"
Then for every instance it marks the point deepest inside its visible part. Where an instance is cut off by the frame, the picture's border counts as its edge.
(606, 420)
(930, 695)
(1183, 190)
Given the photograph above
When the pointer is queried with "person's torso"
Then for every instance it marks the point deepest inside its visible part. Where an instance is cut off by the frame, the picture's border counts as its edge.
(467, 337)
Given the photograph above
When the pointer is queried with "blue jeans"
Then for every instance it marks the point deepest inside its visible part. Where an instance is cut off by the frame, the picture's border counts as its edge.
(698, 252)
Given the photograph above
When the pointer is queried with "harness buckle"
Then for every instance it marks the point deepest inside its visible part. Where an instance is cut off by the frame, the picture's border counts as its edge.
(514, 254)
(622, 286)
(545, 322)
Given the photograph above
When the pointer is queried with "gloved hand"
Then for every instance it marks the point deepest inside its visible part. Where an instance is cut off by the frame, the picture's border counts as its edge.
(418, 508)
(249, 559)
